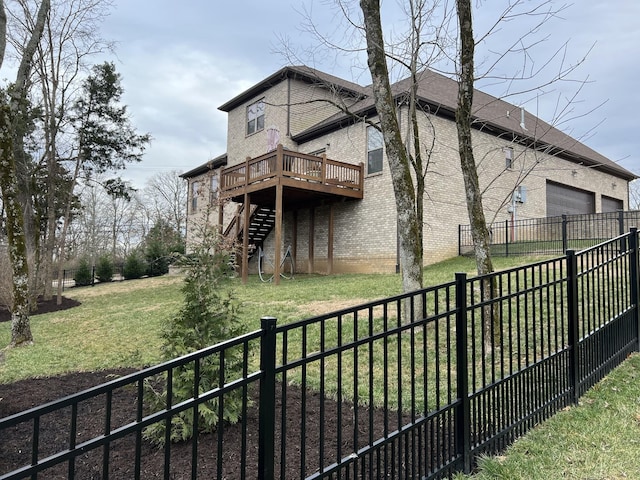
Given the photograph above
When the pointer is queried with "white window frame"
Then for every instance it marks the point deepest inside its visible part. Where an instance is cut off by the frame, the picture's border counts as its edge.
(374, 147)
(195, 186)
(255, 117)
(508, 158)
(214, 186)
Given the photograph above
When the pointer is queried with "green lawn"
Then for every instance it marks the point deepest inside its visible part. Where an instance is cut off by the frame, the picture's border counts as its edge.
(118, 325)
(598, 439)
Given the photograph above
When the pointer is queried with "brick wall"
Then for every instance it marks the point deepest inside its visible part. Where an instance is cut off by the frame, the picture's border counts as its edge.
(365, 236)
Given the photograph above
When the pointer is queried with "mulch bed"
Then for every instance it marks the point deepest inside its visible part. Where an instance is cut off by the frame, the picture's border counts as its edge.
(15, 443)
(43, 307)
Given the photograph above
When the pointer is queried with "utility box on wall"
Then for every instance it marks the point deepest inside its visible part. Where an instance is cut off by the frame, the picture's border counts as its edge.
(520, 194)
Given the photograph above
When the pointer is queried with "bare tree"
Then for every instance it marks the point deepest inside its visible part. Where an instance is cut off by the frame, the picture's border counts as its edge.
(70, 39)
(166, 197)
(9, 110)
(634, 195)
(479, 229)
(398, 156)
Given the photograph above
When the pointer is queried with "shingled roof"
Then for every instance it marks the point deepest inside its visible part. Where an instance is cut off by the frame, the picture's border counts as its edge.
(299, 72)
(439, 94)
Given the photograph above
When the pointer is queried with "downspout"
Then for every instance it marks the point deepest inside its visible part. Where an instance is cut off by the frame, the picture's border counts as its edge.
(288, 107)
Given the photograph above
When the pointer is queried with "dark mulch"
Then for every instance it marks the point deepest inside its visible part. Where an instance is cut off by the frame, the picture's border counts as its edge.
(43, 307)
(15, 443)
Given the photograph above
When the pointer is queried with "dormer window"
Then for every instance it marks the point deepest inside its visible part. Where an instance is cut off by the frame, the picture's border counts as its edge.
(255, 117)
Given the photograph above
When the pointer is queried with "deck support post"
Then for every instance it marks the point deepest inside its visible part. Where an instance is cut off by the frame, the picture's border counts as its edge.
(294, 237)
(330, 241)
(312, 234)
(278, 228)
(245, 238)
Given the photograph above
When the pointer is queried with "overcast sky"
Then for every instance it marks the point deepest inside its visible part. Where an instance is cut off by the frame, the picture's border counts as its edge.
(181, 60)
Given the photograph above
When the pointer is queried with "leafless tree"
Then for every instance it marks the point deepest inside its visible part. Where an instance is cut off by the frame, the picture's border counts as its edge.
(166, 198)
(10, 139)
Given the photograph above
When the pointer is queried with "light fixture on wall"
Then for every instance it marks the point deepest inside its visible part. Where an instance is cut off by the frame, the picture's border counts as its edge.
(614, 185)
(574, 173)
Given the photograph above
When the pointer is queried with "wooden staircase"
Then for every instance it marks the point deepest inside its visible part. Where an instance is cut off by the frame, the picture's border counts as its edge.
(261, 222)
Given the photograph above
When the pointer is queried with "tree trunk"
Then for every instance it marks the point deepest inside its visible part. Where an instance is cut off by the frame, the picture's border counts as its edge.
(20, 328)
(479, 230)
(409, 225)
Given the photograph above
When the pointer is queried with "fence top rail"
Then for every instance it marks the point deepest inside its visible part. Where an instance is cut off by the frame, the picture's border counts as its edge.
(528, 266)
(603, 244)
(125, 380)
(364, 306)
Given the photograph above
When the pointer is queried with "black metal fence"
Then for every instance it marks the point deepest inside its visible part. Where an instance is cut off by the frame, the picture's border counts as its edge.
(69, 276)
(551, 235)
(414, 386)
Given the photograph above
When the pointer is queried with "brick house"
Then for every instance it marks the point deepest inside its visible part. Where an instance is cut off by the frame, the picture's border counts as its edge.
(299, 172)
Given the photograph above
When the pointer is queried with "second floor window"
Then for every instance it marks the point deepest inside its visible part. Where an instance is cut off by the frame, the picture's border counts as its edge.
(255, 117)
(195, 186)
(508, 158)
(215, 185)
(374, 150)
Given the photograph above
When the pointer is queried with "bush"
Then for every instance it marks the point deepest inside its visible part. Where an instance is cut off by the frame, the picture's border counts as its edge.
(104, 269)
(209, 315)
(134, 267)
(157, 259)
(84, 273)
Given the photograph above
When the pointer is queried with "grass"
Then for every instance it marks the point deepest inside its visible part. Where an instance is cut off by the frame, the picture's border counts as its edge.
(598, 439)
(118, 325)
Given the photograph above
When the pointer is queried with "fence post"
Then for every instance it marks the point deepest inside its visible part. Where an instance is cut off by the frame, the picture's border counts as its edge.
(621, 230)
(633, 277)
(506, 237)
(462, 412)
(565, 244)
(573, 334)
(459, 242)
(267, 403)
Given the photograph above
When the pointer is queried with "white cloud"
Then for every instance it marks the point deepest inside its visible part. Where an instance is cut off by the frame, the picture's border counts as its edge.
(181, 60)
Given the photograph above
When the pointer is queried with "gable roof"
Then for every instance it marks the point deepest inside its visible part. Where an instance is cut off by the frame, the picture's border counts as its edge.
(300, 72)
(439, 94)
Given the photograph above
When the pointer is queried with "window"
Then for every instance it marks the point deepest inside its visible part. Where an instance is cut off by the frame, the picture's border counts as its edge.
(508, 158)
(374, 150)
(215, 184)
(255, 117)
(195, 186)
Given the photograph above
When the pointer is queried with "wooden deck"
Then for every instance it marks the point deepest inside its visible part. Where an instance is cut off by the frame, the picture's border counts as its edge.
(304, 178)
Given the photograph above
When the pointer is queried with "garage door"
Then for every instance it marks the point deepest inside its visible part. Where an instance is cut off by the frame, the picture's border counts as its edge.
(611, 204)
(565, 200)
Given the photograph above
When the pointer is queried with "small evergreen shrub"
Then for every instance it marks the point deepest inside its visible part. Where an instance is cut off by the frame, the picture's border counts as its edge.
(134, 267)
(104, 269)
(84, 273)
(209, 315)
(157, 259)
(160, 246)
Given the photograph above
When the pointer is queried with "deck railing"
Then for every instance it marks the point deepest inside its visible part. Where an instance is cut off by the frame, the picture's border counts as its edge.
(299, 166)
